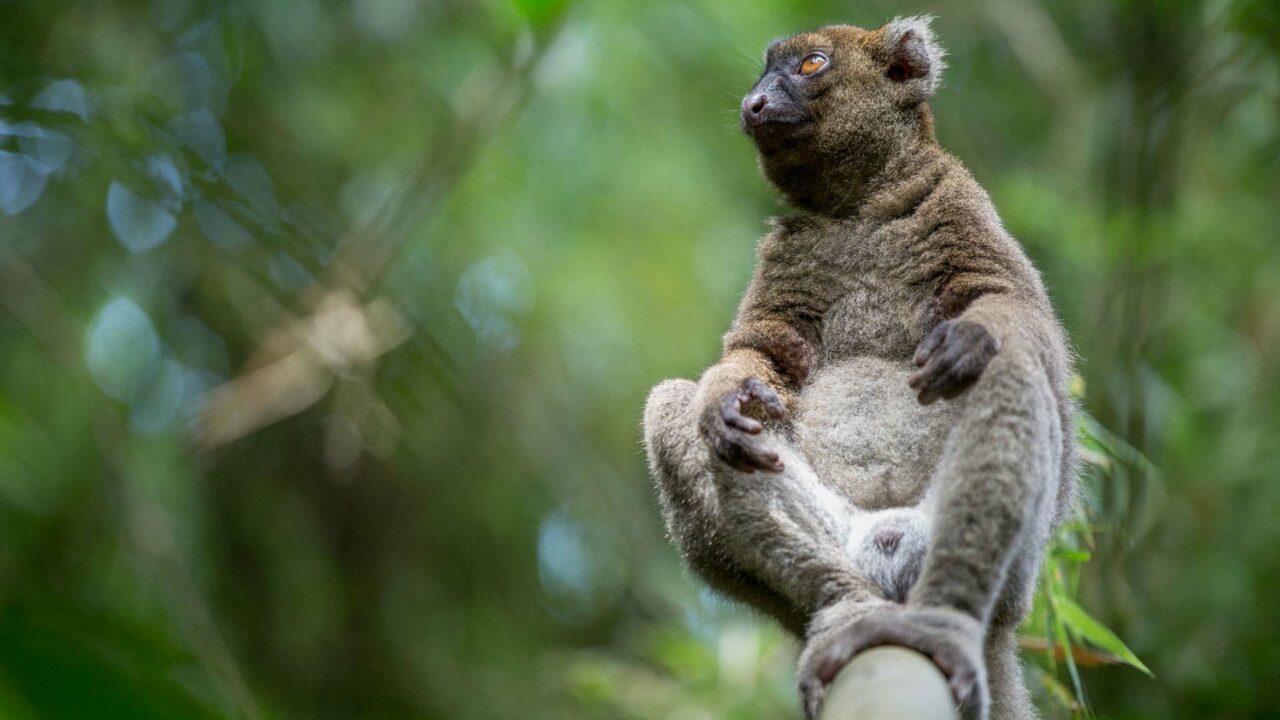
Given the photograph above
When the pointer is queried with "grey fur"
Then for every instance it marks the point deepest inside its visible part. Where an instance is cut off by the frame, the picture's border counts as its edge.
(895, 286)
(889, 547)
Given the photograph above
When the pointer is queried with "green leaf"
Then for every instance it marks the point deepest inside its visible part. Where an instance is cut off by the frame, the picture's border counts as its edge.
(540, 12)
(1060, 633)
(1077, 556)
(1085, 627)
(1059, 692)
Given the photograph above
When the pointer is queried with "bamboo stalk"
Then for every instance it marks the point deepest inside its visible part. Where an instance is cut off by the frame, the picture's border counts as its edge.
(889, 683)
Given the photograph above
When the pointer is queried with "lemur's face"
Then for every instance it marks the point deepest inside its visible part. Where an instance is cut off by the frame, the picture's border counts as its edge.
(838, 95)
(806, 86)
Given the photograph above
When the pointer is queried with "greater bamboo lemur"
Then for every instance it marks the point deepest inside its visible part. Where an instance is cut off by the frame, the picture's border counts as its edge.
(893, 286)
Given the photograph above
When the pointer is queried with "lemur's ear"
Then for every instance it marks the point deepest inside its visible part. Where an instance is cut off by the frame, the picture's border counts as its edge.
(913, 53)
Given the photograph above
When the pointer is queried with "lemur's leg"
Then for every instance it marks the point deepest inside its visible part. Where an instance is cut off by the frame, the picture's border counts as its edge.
(997, 483)
(773, 539)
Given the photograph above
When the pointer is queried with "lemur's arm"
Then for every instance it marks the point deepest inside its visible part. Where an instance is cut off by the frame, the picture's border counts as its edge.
(769, 353)
(1000, 348)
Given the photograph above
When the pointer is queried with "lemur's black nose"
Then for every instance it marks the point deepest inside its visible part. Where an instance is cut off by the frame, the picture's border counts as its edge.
(753, 106)
(887, 540)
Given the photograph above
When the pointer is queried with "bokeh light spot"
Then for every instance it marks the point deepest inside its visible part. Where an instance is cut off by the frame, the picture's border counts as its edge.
(63, 96)
(121, 349)
(492, 295)
(22, 180)
(579, 574)
(139, 223)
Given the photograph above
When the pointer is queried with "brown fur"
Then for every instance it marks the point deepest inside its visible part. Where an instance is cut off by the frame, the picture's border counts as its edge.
(896, 278)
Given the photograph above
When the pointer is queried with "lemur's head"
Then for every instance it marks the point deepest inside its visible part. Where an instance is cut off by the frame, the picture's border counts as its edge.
(834, 105)
(889, 546)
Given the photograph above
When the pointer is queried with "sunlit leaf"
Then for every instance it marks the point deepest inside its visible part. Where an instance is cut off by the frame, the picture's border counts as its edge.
(1078, 556)
(63, 96)
(492, 294)
(1061, 637)
(1085, 627)
(139, 223)
(22, 180)
(121, 348)
(166, 172)
(202, 134)
(50, 148)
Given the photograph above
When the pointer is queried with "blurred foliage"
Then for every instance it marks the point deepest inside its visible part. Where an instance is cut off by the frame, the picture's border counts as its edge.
(1059, 634)
(326, 328)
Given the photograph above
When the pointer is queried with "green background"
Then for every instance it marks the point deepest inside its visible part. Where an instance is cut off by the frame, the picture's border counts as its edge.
(448, 246)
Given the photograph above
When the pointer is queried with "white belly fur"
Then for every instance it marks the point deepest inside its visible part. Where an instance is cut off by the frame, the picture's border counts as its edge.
(866, 436)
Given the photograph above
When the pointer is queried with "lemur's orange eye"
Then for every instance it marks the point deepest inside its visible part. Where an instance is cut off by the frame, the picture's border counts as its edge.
(812, 63)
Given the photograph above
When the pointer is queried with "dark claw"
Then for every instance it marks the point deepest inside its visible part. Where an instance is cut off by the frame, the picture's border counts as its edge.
(930, 343)
(951, 358)
(953, 644)
(731, 411)
(753, 389)
(734, 436)
(813, 694)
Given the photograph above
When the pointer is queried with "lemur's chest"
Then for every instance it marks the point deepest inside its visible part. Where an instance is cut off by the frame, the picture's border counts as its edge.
(873, 317)
(875, 303)
(858, 421)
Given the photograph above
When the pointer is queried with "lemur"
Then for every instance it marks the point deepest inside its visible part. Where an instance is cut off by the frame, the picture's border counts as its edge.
(894, 340)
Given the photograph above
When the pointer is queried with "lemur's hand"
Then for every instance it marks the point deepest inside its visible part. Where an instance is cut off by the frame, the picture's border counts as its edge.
(733, 435)
(951, 358)
(950, 638)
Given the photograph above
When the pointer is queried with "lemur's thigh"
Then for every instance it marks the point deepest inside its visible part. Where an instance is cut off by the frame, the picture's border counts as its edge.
(782, 532)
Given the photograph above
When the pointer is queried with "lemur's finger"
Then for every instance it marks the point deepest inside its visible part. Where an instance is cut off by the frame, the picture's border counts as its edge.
(731, 413)
(744, 423)
(931, 380)
(738, 448)
(748, 455)
(961, 360)
(763, 458)
(931, 343)
(769, 399)
(937, 364)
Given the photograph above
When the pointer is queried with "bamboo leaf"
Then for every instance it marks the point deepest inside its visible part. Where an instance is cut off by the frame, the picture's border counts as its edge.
(1056, 598)
(1059, 692)
(1068, 555)
(1085, 627)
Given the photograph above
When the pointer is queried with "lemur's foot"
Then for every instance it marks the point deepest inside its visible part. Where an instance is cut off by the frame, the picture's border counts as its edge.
(951, 639)
(951, 358)
(734, 436)
(827, 626)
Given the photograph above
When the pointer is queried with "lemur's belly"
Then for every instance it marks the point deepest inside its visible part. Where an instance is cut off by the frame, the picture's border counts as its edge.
(865, 434)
